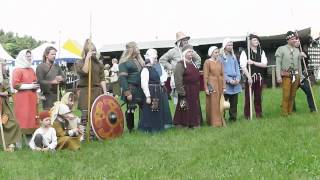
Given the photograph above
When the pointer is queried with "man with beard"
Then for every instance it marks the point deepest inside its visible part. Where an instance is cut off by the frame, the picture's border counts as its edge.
(288, 69)
(174, 55)
(49, 76)
(98, 83)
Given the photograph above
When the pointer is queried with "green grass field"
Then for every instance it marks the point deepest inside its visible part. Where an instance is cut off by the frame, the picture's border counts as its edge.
(271, 148)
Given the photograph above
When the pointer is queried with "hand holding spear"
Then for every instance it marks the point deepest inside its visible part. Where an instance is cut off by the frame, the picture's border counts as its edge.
(306, 71)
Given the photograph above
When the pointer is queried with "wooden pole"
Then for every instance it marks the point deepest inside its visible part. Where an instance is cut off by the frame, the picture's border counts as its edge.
(1, 128)
(58, 92)
(273, 76)
(89, 89)
(306, 70)
(249, 69)
(2, 135)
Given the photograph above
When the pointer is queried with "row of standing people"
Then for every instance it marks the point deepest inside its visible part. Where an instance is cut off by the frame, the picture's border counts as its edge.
(221, 77)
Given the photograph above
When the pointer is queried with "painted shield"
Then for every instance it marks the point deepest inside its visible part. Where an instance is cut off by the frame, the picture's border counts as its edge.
(106, 117)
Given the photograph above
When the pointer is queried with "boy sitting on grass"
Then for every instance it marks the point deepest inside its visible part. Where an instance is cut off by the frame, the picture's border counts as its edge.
(44, 138)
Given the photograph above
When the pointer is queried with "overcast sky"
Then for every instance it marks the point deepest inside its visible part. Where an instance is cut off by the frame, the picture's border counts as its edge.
(117, 21)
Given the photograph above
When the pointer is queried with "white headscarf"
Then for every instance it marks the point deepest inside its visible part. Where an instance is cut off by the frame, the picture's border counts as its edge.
(151, 54)
(225, 42)
(65, 98)
(211, 49)
(184, 52)
(21, 60)
(59, 109)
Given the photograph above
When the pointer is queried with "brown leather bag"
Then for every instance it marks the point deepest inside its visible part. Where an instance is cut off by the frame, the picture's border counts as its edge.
(285, 73)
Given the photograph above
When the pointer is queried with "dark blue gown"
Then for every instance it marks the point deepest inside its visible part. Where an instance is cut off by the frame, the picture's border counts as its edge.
(152, 121)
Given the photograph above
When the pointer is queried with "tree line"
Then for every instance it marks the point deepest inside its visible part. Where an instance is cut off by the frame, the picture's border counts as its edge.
(13, 43)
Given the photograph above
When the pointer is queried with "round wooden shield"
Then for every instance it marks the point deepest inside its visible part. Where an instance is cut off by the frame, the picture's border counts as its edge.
(106, 117)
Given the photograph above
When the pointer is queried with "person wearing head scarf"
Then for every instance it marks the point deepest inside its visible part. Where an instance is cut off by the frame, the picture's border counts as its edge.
(50, 76)
(173, 56)
(214, 85)
(155, 108)
(231, 76)
(130, 66)
(24, 81)
(98, 82)
(11, 129)
(258, 64)
(69, 99)
(45, 137)
(187, 81)
(288, 71)
(68, 137)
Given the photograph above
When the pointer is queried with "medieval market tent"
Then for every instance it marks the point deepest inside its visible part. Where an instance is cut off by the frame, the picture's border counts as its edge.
(62, 55)
(73, 47)
(4, 54)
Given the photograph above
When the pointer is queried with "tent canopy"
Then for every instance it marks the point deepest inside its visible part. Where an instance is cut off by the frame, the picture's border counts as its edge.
(62, 54)
(4, 54)
(304, 33)
(73, 47)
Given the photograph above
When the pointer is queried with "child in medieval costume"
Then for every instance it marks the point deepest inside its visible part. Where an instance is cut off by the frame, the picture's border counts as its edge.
(11, 129)
(130, 67)
(155, 109)
(44, 138)
(68, 137)
(187, 81)
(69, 99)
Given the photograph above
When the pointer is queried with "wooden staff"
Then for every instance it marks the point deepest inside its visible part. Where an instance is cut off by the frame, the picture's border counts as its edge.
(249, 69)
(306, 70)
(58, 92)
(1, 127)
(89, 89)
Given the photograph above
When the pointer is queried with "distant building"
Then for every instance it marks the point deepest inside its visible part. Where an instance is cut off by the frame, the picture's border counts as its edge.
(270, 43)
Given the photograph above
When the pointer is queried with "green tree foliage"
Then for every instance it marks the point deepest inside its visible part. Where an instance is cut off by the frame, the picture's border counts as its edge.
(13, 44)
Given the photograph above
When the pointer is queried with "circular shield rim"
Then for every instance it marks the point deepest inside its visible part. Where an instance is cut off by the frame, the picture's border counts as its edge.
(91, 115)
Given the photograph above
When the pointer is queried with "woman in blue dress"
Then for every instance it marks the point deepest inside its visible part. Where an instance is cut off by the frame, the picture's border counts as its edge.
(156, 115)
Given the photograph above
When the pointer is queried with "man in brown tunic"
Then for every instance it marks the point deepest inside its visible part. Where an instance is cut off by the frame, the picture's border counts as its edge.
(98, 83)
(49, 76)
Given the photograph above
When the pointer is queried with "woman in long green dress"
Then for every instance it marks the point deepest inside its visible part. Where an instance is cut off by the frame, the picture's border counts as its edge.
(11, 129)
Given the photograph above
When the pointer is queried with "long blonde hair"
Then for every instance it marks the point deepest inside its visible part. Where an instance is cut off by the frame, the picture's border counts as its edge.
(86, 47)
(131, 52)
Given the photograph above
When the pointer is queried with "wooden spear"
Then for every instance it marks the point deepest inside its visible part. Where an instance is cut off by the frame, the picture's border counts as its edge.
(306, 70)
(89, 87)
(249, 69)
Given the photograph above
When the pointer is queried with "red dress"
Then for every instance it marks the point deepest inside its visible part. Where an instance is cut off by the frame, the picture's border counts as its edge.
(25, 101)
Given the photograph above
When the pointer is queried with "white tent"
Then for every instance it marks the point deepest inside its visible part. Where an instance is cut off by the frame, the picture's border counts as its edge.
(4, 54)
(61, 56)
